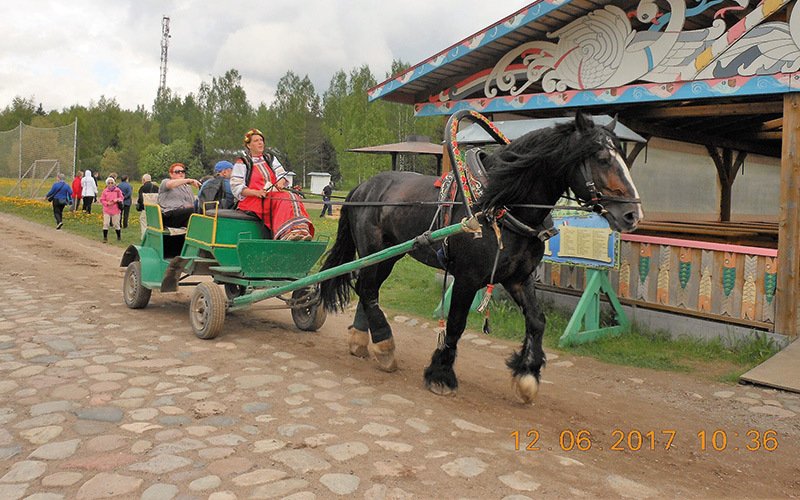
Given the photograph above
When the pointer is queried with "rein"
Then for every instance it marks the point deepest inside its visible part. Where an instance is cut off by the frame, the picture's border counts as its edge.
(422, 203)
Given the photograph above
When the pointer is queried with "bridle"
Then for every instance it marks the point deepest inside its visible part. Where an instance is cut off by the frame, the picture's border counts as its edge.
(593, 203)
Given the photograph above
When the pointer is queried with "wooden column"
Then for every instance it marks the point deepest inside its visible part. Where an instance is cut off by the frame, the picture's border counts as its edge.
(445, 165)
(788, 287)
(726, 172)
(634, 153)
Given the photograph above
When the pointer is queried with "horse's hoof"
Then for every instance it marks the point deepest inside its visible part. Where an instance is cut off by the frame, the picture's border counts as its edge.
(359, 340)
(525, 388)
(383, 354)
(441, 390)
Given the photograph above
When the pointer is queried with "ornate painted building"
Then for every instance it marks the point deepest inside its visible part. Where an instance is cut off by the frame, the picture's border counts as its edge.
(713, 84)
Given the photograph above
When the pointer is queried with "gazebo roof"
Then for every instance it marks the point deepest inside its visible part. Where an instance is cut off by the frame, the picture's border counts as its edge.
(414, 144)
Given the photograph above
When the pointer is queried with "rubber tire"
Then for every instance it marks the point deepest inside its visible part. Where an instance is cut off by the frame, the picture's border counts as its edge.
(232, 290)
(308, 319)
(135, 294)
(207, 310)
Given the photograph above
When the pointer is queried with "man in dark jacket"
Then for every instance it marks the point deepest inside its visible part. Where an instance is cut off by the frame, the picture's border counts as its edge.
(326, 197)
(127, 193)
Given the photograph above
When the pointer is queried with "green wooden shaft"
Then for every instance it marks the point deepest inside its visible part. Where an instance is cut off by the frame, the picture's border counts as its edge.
(388, 253)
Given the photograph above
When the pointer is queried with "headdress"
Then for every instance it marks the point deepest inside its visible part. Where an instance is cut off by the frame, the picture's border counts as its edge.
(250, 133)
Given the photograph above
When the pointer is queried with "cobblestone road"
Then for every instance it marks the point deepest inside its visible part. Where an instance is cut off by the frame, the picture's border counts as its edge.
(98, 401)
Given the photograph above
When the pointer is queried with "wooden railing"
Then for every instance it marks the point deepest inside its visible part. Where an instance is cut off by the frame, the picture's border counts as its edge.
(731, 283)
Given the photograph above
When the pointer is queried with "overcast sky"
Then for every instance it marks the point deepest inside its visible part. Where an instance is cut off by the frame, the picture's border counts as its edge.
(62, 53)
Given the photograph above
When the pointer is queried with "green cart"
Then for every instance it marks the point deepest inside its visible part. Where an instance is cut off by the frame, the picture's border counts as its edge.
(246, 266)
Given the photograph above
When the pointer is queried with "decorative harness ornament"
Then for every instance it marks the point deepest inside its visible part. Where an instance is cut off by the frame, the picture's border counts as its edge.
(471, 179)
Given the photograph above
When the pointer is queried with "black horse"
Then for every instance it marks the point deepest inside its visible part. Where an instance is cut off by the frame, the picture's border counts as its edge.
(536, 169)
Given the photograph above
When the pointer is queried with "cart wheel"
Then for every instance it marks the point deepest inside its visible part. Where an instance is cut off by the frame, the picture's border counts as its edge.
(207, 310)
(135, 294)
(310, 318)
(233, 290)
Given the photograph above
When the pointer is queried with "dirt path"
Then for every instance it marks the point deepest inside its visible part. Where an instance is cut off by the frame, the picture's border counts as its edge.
(97, 400)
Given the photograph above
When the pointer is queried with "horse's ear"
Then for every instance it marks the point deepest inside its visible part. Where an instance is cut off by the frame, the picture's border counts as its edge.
(583, 121)
(611, 125)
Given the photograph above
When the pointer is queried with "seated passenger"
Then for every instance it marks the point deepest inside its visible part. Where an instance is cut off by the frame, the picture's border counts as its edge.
(176, 198)
(258, 181)
(217, 188)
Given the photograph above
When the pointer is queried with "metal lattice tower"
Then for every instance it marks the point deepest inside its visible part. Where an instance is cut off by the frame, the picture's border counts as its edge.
(164, 46)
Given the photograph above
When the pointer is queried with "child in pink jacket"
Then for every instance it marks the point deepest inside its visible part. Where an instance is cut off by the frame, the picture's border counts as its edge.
(111, 199)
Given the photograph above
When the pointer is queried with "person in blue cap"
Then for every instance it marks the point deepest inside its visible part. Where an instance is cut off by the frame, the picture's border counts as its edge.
(218, 188)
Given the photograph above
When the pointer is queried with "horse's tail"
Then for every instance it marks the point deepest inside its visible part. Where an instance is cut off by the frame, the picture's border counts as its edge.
(335, 292)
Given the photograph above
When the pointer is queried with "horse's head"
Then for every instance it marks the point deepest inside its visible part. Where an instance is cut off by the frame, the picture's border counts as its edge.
(602, 181)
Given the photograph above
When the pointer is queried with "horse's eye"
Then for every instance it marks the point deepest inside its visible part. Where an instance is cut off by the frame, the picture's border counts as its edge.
(604, 157)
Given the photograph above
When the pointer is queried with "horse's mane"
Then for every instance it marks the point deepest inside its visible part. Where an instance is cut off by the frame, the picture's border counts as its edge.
(541, 156)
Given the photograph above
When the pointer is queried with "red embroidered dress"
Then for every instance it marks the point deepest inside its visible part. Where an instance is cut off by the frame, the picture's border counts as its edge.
(282, 211)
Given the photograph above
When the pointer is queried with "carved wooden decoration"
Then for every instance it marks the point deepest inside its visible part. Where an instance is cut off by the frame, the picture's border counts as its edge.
(662, 289)
(728, 282)
(603, 57)
(770, 284)
(684, 272)
(644, 271)
(749, 287)
(624, 287)
(704, 295)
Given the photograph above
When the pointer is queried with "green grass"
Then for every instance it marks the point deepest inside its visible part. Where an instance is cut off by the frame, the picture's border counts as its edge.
(413, 290)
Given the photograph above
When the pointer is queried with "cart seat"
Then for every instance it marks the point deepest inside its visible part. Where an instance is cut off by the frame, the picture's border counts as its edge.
(228, 213)
(155, 221)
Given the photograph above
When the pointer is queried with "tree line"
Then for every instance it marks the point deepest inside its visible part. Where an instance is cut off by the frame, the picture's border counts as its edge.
(306, 131)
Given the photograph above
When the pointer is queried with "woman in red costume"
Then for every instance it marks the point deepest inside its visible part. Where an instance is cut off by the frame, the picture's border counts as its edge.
(258, 181)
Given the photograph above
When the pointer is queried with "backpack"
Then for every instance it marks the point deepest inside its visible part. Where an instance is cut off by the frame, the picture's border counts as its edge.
(212, 190)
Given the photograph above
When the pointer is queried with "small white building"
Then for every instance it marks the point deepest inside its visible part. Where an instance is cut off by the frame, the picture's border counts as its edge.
(317, 181)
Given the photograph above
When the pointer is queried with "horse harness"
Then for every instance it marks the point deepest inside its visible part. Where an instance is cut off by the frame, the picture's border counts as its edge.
(476, 182)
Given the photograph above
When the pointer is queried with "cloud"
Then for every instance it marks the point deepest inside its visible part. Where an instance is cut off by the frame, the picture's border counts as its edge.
(65, 53)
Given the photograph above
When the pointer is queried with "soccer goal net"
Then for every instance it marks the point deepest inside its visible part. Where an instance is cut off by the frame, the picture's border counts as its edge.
(34, 156)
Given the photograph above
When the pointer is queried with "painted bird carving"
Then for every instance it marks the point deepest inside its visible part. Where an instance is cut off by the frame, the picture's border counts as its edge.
(598, 50)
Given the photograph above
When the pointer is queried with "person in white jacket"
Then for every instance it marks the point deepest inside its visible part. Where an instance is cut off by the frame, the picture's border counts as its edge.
(89, 187)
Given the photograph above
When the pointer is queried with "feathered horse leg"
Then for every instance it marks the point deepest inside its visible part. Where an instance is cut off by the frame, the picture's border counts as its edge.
(440, 377)
(526, 365)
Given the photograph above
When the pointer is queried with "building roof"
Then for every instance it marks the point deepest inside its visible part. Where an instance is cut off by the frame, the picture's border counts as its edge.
(514, 129)
(658, 68)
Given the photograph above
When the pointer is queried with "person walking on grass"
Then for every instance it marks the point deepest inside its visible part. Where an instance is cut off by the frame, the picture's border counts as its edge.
(77, 190)
(111, 199)
(127, 193)
(60, 194)
(88, 191)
